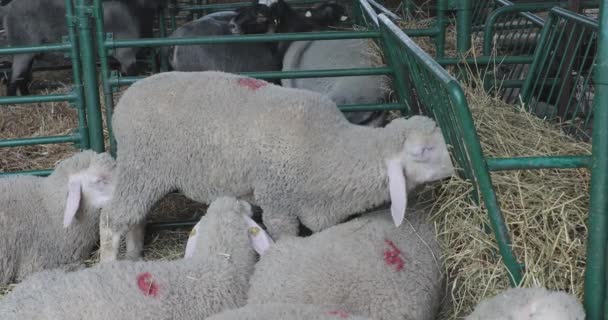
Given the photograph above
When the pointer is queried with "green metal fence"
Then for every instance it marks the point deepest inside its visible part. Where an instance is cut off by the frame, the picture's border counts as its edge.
(560, 85)
(444, 99)
(89, 132)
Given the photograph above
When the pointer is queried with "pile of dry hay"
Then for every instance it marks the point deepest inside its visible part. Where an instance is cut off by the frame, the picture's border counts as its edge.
(546, 211)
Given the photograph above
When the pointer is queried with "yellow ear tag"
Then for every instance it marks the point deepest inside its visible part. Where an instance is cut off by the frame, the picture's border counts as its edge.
(254, 231)
(192, 232)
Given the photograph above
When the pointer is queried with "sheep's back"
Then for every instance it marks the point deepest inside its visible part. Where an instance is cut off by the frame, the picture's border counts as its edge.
(213, 110)
(125, 290)
(367, 265)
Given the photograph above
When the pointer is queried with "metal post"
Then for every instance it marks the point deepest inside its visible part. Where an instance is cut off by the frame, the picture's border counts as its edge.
(463, 25)
(83, 128)
(163, 34)
(442, 23)
(89, 69)
(595, 270)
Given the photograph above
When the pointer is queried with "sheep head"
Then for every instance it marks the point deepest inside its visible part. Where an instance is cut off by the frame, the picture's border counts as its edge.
(423, 158)
(226, 228)
(90, 183)
(254, 19)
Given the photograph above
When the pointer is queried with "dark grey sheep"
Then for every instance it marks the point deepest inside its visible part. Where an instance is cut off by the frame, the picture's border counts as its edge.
(36, 22)
(52, 222)
(234, 58)
(290, 151)
(213, 278)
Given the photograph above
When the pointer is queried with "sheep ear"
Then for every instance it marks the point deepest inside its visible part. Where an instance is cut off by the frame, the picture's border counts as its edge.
(260, 239)
(308, 14)
(72, 202)
(192, 241)
(397, 189)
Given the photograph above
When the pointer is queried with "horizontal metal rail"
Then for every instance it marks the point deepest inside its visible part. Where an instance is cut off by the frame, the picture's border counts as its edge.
(230, 6)
(39, 140)
(63, 47)
(39, 173)
(38, 98)
(524, 163)
(288, 74)
(250, 38)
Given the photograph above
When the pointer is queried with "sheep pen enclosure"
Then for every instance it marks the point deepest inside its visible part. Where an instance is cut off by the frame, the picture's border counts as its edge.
(545, 205)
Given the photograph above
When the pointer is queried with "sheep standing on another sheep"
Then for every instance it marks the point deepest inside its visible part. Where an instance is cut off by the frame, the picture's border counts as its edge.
(290, 151)
(214, 277)
(52, 222)
(284, 311)
(366, 266)
(529, 304)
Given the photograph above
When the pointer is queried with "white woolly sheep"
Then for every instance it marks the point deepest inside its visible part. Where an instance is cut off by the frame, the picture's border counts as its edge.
(339, 54)
(366, 266)
(52, 222)
(529, 304)
(290, 151)
(285, 311)
(213, 277)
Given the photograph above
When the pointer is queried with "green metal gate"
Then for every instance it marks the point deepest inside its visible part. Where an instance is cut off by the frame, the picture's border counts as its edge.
(89, 132)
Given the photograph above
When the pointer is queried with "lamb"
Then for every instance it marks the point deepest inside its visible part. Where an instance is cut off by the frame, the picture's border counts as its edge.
(35, 22)
(366, 266)
(529, 304)
(284, 311)
(52, 222)
(212, 277)
(339, 54)
(289, 151)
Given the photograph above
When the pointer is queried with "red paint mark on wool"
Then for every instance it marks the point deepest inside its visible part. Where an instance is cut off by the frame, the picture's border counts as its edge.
(340, 313)
(252, 83)
(392, 256)
(147, 285)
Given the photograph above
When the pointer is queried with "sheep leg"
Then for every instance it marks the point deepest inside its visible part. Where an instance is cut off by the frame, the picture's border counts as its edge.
(135, 241)
(135, 193)
(20, 73)
(109, 243)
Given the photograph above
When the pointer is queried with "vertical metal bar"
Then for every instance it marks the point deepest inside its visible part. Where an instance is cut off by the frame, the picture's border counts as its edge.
(393, 58)
(89, 69)
(463, 25)
(173, 12)
(442, 23)
(536, 66)
(484, 181)
(102, 52)
(163, 34)
(595, 269)
(83, 128)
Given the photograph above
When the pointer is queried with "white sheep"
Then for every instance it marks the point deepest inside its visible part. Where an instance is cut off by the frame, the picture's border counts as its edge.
(529, 304)
(52, 222)
(366, 266)
(339, 54)
(213, 277)
(290, 151)
(286, 311)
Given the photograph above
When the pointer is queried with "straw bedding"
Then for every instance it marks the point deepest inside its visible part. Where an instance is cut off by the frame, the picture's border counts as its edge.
(546, 211)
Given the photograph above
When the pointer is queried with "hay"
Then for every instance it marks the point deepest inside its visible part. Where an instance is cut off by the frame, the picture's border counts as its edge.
(546, 211)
